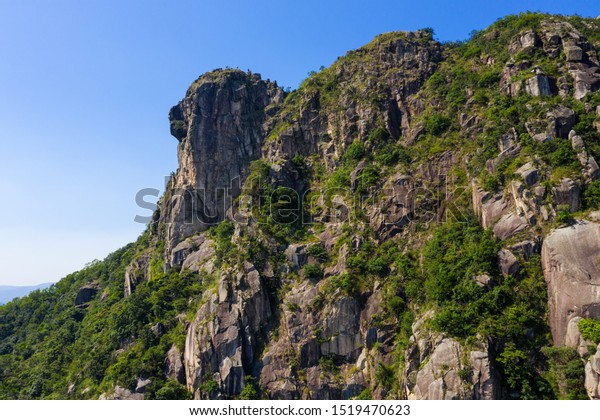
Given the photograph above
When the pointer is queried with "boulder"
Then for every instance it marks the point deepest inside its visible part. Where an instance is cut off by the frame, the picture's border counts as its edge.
(561, 121)
(136, 272)
(573, 53)
(484, 281)
(142, 385)
(591, 169)
(467, 121)
(183, 250)
(574, 339)
(538, 85)
(488, 207)
(355, 174)
(297, 255)
(526, 248)
(529, 173)
(200, 259)
(586, 79)
(509, 225)
(510, 148)
(567, 194)
(120, 393)
(507, 262)
(508, 141)
(174, 365)
(525, 41)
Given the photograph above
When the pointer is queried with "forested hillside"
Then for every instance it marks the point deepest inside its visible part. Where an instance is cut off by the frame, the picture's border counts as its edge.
(418, 220)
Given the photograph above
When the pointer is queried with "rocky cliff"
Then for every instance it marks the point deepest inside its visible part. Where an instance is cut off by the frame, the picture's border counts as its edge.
(419, 220)
(219, 126)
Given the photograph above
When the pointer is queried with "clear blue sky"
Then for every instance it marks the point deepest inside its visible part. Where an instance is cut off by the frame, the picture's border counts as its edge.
(85, 88)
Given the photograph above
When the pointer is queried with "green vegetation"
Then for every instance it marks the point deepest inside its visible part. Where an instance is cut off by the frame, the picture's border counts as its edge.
(355, 152)
(456, 254)
(436, 124)
(590, 330)
(591, 196)
(564, 218)
(566, 373)
(222, 234)
(173, 390)
(52, 344)
(313, 271)
(317, 251)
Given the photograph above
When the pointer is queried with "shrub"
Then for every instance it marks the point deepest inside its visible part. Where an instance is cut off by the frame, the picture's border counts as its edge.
(223, 233)
(346, 284)
(563, 155)
(488, 79)
(173, 390)
(368, 177)
(356, 263)
(437, 82)
(590, 330)
(210, 386)
(379, 136)
(178, 129)
(365, 394)
(249, 392)
(566, 373)
(317, 251)
(436, 124)
(490, 182)
(313, 271)
(391, 154)
(300, 163)
(355, 152)
(513, 364)
(386, 376)
(378, 266)
(564, 217)
(591, 196)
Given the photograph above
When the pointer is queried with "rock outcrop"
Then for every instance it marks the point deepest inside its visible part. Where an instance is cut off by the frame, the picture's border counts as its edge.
(440, 368)
(592, 375)
(120, 393)
(222, 341)
(570, 263)
(219, 126)
(174, 368)
(86, 294)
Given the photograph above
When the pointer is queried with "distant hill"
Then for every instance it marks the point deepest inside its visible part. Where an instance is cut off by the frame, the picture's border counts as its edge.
(8, 293)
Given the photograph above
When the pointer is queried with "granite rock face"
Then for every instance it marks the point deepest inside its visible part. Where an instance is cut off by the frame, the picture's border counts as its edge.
(174, 368)
(592, 375)
(222, 341)
(440, 368)
(570, 262)
(219, 126)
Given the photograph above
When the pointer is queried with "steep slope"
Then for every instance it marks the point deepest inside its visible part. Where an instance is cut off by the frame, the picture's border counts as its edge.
(387, 230)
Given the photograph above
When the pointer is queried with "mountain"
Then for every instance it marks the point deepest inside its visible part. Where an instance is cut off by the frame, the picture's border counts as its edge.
(8, 293)
(419, 220)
